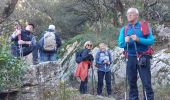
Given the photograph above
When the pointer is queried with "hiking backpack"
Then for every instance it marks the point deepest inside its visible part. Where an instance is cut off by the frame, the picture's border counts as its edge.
(146, 31)
(49, 41)
(78, 56)
(144, 28)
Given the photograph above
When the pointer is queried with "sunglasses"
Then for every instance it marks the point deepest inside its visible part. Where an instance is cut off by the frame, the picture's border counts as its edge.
(89, 45)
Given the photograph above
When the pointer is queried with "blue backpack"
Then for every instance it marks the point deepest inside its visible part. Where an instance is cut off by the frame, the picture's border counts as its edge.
(78, 57)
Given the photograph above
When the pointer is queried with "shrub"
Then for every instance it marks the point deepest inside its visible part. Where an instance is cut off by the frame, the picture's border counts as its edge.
(10, 67)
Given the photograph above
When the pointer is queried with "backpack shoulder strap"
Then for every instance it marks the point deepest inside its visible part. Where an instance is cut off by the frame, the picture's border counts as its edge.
(145, 27)
(109, 53)
(125, 30)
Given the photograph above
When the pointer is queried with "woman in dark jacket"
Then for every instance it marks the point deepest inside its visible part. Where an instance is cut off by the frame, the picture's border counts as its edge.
(84, 65)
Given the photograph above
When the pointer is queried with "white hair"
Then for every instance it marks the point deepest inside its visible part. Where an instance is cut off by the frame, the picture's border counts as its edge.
(133, 10)
(88, 43)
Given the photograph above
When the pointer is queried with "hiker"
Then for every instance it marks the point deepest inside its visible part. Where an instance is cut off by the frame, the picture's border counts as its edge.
(24, 42)
(103, 61)
(48, 45)
(84, 65)
(136, 43)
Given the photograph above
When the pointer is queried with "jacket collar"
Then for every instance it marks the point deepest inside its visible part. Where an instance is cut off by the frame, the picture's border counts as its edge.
(136, 24)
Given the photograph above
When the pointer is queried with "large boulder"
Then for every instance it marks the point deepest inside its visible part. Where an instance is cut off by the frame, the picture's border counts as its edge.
(36, 81)
(161, 68)
(39, 79)
(163, 36)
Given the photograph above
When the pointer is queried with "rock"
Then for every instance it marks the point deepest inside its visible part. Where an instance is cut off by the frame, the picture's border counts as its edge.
(92, 97)
(163, 38)
(160, 68)
(37, 79)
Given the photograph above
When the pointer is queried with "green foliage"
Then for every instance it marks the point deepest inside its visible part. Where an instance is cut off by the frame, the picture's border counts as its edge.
(10, 67)
(108, 35)
(63, 93)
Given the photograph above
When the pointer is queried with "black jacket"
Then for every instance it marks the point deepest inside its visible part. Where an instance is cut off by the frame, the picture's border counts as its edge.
(85, 54)
(25, 36)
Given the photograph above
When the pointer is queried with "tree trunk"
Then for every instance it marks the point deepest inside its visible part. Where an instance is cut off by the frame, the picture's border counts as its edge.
(6, 9)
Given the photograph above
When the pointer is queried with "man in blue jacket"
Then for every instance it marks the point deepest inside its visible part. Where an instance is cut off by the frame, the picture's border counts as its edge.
(134, 42)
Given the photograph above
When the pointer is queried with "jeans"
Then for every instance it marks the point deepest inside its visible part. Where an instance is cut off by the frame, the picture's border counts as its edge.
(24, 51)
(145, 75)
(47, 56)
(83, 86)
(101, 75)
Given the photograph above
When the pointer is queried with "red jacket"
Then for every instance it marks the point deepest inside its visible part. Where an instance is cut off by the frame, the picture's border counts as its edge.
(82, 70)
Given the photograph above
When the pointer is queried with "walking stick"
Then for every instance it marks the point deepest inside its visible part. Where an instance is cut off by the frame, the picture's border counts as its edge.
(145, 95)
(126, 80)
(20, 47)
(18, 27)
(92, 78)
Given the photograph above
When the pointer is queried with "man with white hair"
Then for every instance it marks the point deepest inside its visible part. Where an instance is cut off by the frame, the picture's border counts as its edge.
(49, 44)
(136, 44)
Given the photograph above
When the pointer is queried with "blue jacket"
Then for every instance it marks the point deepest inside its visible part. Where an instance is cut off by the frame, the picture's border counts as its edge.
(100, 57)
(142, 45)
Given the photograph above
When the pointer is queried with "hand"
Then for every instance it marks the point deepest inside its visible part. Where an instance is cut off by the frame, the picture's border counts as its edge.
(135, 38)
(127, 39)
(108, 63)
(105, 61)
(18, 32)
(28, 42)
(21, 42)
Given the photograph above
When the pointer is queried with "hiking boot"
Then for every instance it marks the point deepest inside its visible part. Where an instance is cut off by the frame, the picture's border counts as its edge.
(35, 62)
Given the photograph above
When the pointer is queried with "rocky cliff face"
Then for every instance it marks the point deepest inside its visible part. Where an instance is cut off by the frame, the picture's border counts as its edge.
(163, 38)
(37, 81)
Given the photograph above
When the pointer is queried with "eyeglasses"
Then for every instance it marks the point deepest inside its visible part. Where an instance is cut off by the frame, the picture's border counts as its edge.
(131, 14)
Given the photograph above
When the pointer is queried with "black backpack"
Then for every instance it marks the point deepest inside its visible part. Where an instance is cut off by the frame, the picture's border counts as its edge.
(78, 56)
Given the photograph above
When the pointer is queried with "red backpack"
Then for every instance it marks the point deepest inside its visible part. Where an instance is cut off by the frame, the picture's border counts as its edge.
(146, 31)
(144, 28)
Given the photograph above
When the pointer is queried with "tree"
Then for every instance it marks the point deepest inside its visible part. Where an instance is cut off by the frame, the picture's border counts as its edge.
(6, 9)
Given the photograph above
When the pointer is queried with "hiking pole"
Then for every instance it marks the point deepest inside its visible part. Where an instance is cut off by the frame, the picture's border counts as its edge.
(145, 95)
(126, 73)
(92, 78)
(20, 47)
(105, 71)
(20, 50)
(136, 51)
